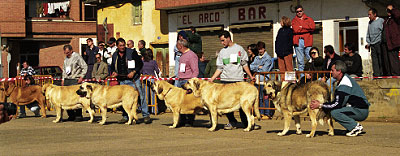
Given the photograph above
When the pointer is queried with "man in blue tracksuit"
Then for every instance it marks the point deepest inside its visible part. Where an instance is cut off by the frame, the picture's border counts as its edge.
(350, 104)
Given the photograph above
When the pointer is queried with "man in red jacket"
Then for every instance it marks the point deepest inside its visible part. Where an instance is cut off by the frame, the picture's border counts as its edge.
(391, 27)
(302, 26)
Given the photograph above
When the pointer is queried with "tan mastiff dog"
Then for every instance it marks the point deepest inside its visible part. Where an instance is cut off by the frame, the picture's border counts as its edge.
(177, 100)
(225, 98)
(292, 100)
(24, 95)
(65, 97)
(111, 97)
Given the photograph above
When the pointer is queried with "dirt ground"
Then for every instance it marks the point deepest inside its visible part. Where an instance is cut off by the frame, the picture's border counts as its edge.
(38, 136)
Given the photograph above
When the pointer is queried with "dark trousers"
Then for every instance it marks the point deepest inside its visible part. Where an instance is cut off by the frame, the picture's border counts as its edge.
(185, 118)
(77, 112)
(376, 55)
(89, 72)
(231, 116)
(394, 62)
(385, 60)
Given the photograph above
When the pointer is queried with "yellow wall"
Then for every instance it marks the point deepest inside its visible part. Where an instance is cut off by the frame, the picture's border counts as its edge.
(122, 19)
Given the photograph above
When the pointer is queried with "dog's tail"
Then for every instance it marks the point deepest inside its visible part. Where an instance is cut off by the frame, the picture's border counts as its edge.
(256, 109)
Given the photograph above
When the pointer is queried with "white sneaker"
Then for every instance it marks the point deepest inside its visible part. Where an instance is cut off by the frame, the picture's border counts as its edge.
(356, 131)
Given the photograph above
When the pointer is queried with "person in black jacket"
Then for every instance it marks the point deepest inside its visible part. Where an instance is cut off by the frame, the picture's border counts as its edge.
(353, 61)
(284, 46)
(316, 64)
(125, 66)
(330, 58)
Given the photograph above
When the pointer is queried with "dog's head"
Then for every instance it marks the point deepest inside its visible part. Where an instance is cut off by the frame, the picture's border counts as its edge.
(86, 90)
(272, 88)
(46, 87)
(161, 88)
(194, 85)
(3, 89)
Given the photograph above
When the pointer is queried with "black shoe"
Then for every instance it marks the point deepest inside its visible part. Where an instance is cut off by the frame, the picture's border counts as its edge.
(22, 116)
(123, 120)
(71, 118)
(147, 120)
(78, 119)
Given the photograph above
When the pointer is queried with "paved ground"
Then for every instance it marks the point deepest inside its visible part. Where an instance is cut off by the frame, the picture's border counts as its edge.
(37, 136)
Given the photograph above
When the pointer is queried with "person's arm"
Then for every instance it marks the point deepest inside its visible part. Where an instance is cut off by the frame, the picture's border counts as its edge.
(269, 65)
(64, 74)
(336, 103)
(194, 66)
(254, 65)
(309, 25)
(298, 27)
(220, 67)
(82, 64)
(216, 74)
(104, 74)
(247, 70)
(31, 71)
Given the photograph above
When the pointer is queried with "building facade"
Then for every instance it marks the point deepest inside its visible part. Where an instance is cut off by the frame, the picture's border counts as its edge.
(136, 20)
(36, 31)
(337, 22)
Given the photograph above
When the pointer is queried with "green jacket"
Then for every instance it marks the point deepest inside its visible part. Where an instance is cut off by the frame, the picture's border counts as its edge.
(211, 68)
(195, 43)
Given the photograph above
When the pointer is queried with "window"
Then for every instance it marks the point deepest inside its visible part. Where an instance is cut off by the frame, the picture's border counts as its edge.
(137, 13)
(90, 12)
(48, 8)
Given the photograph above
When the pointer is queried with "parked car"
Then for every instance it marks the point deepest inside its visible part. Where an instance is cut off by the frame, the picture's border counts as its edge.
(54, 71)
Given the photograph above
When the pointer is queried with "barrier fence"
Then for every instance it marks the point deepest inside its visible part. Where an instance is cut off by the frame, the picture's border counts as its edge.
(151, 99)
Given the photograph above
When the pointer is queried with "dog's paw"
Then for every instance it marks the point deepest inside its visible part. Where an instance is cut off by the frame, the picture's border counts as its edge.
(44, 116)
(280, 134)
(55, 121)
(90, 121)
(331, 134)
(171, 127)
(247, 130)
(211, 129)
(309, 136)
(299, 133)
(102, 123)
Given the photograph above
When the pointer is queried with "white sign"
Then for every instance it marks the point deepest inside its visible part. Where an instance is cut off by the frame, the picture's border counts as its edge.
(131, 64)
(253, 13)
(202, 18)
(290, 76)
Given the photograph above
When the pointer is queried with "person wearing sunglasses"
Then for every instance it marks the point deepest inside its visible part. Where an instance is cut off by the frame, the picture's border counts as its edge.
(100, 69)
(391, 33)
(316, 64)
(102, 50)
(302, 26)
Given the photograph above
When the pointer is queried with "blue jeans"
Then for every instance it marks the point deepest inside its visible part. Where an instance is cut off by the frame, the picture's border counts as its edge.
(180, 83)
(264, 102)
(302, 51)
(177, 58)
(143, 104)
